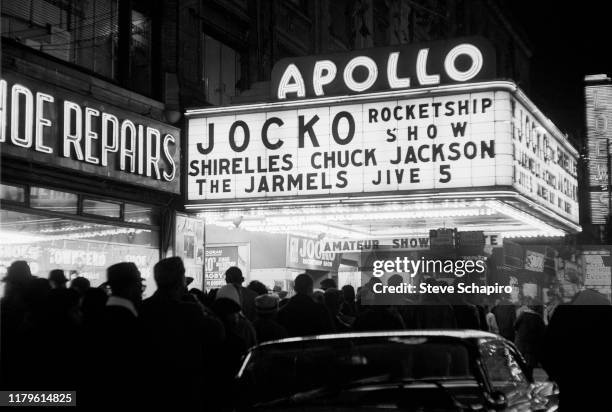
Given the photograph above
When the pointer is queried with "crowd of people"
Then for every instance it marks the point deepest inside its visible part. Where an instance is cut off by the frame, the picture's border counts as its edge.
(181, 348)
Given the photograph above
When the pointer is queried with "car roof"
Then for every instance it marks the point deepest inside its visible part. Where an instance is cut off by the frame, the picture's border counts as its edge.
(466, 334)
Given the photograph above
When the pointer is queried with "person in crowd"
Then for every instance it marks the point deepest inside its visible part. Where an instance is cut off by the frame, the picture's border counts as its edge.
(333, 301)
(348, 302)
(233, 276)
(120, 340)
(577, 354)
(199, 295)
(505, 316)
(282, 294)
(258, 287)
(172, 326)
(242, 327)
(12, 313)
(366, 295)
(302, 316)
(318, 295)
(466, 314)
(328, 283)
(58, 279)
(378, 315)
(490, 320)
(81, 285)
(529, 336)
(266, 325)
(433, 311)
(554, 301)
(229, 356)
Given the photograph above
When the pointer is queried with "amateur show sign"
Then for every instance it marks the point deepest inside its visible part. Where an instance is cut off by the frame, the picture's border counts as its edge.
(417, 144)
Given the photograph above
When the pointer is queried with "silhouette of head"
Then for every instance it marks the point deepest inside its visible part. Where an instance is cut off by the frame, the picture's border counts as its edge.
(234, 275)
(124, 281)
(80, 284)
(58, 279)
(169, 275)
(349, 293)
(303, 284)
(258, 287)
(17, 277)
(395, 280)
(328, 283)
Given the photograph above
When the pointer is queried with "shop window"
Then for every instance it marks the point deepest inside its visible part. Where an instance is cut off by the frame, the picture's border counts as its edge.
(80, 248)
(101, 208)
(79, 32)
(53, 200)
(12, 193)
(221, 72)
(140, 214)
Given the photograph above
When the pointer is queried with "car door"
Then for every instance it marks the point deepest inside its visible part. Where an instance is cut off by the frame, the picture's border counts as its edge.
(505, 376)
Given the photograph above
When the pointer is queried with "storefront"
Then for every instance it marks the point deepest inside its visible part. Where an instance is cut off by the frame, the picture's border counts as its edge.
(365, 153)
(85, 183)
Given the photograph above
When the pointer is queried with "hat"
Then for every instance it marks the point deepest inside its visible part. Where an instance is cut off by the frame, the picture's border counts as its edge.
(228, 292)
(225, 306)
(18, 272)
(266, 303)
(122, 275)
(58, 276)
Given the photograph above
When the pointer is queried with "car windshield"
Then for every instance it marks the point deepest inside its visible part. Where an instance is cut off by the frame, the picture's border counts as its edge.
(281, 370)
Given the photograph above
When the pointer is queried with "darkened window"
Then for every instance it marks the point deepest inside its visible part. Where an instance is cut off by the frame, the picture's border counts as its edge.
(90, 34)
(221, 72)
(53, 200)
(101, 208)
(12, 193)
(140, 47)
(339, 20)
(79, 32)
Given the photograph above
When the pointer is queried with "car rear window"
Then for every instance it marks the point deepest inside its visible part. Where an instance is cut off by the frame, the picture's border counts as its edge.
(282, 370)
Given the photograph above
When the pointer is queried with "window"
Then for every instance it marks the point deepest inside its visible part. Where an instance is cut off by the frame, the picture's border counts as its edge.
(87, 33)
(79, 248)
(221, 72)
(80, 32)
(503, 369)
(53, 200)
(101, 208)
(12, 193)
(140, 48)
(140, 214)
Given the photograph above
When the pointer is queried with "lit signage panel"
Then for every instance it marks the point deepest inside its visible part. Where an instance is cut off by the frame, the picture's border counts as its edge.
(46, 124)
(394, 145)
(385, 68)
(599, 133)
(478, 140)
(545, 167)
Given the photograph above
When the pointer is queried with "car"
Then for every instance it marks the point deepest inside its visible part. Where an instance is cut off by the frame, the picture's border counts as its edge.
(425, 370)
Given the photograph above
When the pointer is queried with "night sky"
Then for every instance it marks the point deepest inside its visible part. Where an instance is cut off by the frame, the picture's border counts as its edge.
(569, 41)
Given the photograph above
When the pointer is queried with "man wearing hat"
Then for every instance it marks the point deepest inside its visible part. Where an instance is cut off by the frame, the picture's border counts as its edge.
(233, 276)
(121, 340)
(266, 326)
(12, 311)
(57, 279)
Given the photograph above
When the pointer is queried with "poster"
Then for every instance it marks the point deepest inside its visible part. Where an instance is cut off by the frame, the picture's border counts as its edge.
(189, 245)
(218, 260)
(308, 253)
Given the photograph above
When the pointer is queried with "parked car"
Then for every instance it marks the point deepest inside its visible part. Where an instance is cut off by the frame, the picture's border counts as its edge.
(428, 370)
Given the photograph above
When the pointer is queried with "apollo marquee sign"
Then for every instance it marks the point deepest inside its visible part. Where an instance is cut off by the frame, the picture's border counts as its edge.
(45, 124)
(388, 68)
(388, 138)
